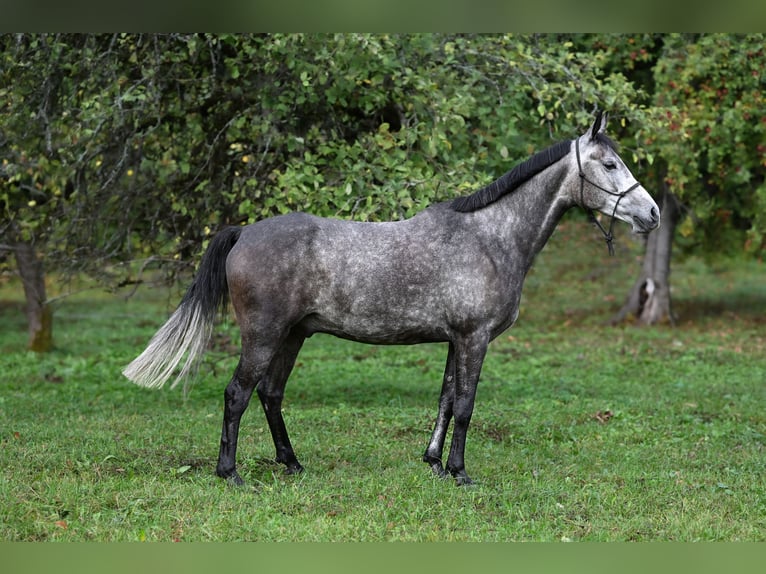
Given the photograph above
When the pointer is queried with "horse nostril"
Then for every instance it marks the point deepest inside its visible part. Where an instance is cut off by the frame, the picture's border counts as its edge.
(655, 215)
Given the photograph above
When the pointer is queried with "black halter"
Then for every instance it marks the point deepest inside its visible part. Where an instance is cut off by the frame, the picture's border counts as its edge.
(591, 216)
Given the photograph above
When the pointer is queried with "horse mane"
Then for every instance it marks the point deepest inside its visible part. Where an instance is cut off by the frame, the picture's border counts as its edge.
(514, 178)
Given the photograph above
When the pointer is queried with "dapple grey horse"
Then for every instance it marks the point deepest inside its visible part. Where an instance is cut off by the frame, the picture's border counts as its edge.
(452, 273)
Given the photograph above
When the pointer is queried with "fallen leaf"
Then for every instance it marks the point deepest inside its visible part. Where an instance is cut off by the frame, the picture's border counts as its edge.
(603, 416)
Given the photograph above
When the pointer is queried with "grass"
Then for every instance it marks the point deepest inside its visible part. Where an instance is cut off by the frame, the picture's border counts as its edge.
(581, 431)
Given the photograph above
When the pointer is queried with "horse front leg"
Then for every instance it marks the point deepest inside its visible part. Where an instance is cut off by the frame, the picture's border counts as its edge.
(469, 357)
(433, 454)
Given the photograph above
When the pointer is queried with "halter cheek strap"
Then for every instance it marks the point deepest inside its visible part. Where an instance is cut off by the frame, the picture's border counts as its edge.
(592, 216)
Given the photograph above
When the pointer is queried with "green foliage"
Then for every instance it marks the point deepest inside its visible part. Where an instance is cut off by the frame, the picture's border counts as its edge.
(704, 122)
(710, 90)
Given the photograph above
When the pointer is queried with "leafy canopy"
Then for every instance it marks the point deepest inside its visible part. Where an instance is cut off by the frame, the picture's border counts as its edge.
(121, 146)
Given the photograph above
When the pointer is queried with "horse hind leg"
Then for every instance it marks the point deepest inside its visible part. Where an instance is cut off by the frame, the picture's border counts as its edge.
(271, 390)
(236, 398)
(254, 367)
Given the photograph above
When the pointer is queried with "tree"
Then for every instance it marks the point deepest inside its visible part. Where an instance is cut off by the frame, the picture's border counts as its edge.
(28, 151)
(707, 127)
(83, 116)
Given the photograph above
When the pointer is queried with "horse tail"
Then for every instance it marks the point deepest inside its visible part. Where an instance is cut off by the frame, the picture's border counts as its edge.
(189, 328)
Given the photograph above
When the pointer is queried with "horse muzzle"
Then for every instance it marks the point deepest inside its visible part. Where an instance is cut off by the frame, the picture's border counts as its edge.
(647, 222)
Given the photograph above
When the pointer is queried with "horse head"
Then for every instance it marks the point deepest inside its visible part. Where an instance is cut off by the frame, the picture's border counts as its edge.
(607, 185)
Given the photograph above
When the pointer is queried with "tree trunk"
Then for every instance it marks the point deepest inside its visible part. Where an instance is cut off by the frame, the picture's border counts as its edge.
(649, 301)
(39, 313)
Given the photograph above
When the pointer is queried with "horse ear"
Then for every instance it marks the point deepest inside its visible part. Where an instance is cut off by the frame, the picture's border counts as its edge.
(599, 125)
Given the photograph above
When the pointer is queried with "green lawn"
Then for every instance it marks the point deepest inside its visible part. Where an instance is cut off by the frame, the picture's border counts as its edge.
(582, 431)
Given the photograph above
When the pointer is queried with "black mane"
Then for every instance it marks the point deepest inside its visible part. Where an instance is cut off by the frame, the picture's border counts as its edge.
(513, 179)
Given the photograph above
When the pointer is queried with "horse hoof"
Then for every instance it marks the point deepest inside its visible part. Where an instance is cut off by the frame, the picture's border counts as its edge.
(436, 465)
(438, 470)
(464, 481)
(234, 480)
(462, 478)
(293, 469)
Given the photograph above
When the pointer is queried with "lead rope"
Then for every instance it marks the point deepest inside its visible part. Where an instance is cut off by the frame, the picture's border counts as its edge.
(608, 236)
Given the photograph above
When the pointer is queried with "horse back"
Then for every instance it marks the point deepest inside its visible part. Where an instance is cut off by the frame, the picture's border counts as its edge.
(394, 282)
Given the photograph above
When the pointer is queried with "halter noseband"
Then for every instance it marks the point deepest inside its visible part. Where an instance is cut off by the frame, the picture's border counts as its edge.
(592, 216)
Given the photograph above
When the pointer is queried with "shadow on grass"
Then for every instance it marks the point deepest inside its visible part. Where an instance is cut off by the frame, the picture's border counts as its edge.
(740, 304)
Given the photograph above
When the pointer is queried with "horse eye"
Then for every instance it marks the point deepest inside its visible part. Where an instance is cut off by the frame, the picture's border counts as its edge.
(610, 165)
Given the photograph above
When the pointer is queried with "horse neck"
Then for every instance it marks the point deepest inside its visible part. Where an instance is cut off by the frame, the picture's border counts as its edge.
(526, 218)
